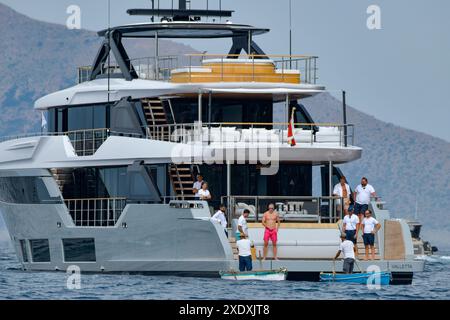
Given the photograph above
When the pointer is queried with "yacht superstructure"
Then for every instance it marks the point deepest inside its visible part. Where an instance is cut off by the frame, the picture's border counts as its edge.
(109, 187)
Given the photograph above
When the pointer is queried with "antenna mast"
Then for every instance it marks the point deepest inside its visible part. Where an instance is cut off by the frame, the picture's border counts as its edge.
(109, 48)
(290, 34)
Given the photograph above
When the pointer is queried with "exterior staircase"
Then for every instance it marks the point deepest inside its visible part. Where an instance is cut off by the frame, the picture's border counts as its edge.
(181, 175)
(62, 177)
(182, 180)
(154, 115)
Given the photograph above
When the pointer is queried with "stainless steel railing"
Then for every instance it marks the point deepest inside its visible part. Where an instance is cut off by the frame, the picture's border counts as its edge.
(290, 208)
(95, 212)
(220, 133)
(85, 142)
(161, 67)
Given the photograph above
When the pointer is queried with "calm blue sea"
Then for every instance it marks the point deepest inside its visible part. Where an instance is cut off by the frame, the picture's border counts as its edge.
(434, 283)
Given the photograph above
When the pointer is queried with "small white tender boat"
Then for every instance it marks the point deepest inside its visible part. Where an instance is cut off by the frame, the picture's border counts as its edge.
(264, 275)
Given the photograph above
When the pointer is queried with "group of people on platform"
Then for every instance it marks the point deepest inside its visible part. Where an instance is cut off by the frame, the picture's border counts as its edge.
(358, 218)
(200, 189)
(271, 222)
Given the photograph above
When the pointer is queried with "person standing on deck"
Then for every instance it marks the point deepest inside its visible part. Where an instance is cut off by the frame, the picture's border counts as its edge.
(219, 216)
(348, 249)
(350, 227)
(342, 190)
(197, 185)
(244, 246)
(204, 193)
(371, 226)
(271, 222)
(242, 222)
(362, 195)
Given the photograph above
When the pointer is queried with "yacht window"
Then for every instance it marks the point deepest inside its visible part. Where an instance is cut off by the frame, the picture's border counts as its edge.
(24, 249)
(79, 250)
(40, 250)
(28, 190)
(224, 110)
(78, 118)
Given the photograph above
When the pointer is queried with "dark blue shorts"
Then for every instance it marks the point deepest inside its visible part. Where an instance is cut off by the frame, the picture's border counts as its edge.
(350, 235)
(360, 208)
(245, 263)
(369, 239)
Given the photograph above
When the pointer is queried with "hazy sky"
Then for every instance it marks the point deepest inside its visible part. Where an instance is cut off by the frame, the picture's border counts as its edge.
(400, 74)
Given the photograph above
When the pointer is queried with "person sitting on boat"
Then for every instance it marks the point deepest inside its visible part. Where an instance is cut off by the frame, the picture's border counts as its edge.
(371, 226)
(342, 190)
(271, 222)
(197, 185)
(362, 195)
(242, 223)
(203, 193)
(346, 247)
(350, 227)
(244, 247)
(219, 217)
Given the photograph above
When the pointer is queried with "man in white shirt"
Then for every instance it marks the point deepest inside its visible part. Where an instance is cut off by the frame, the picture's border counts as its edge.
(245, 253)
(197, 185)
(348, 249)
(342, 190)
(219, 217)
(350, 227)
(371, 226)
(242, 223)
(362, 195)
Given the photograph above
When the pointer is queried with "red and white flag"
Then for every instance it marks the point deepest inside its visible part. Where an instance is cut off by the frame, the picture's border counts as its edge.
(291, 139)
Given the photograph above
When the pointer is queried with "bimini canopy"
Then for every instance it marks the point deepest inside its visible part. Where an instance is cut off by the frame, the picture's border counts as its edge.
(185, 30)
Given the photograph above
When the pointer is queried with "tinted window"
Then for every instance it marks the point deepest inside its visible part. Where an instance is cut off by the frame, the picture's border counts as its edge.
(97, 183)
(24, 249)
(78, 118)
(224, 110)
(28, 190)
(51, 120)
(40, 250)
(79, 250)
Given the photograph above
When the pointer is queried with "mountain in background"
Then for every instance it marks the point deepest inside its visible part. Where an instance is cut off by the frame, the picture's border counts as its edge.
(403, 166)
(38, 58)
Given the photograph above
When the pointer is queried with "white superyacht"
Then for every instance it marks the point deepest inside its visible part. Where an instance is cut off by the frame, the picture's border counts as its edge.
(109, 186)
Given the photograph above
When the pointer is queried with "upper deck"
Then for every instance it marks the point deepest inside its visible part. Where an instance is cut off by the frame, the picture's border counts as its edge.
(255, 65)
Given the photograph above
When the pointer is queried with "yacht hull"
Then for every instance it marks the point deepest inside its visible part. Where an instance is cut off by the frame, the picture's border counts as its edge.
(159, 240)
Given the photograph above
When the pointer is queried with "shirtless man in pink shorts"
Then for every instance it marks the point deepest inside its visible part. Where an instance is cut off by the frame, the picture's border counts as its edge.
(271, 221)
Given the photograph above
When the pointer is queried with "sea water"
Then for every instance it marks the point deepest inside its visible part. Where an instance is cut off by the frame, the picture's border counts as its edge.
(434, 283)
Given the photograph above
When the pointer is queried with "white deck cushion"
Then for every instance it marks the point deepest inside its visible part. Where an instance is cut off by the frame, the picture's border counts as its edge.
(246, 61)
(287, 71)
(192, 69)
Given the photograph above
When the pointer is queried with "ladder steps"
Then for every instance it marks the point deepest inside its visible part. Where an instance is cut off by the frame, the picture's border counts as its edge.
(153, 108)
(151, 101)
(182, 180)
(158, 120)
(156, 113)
